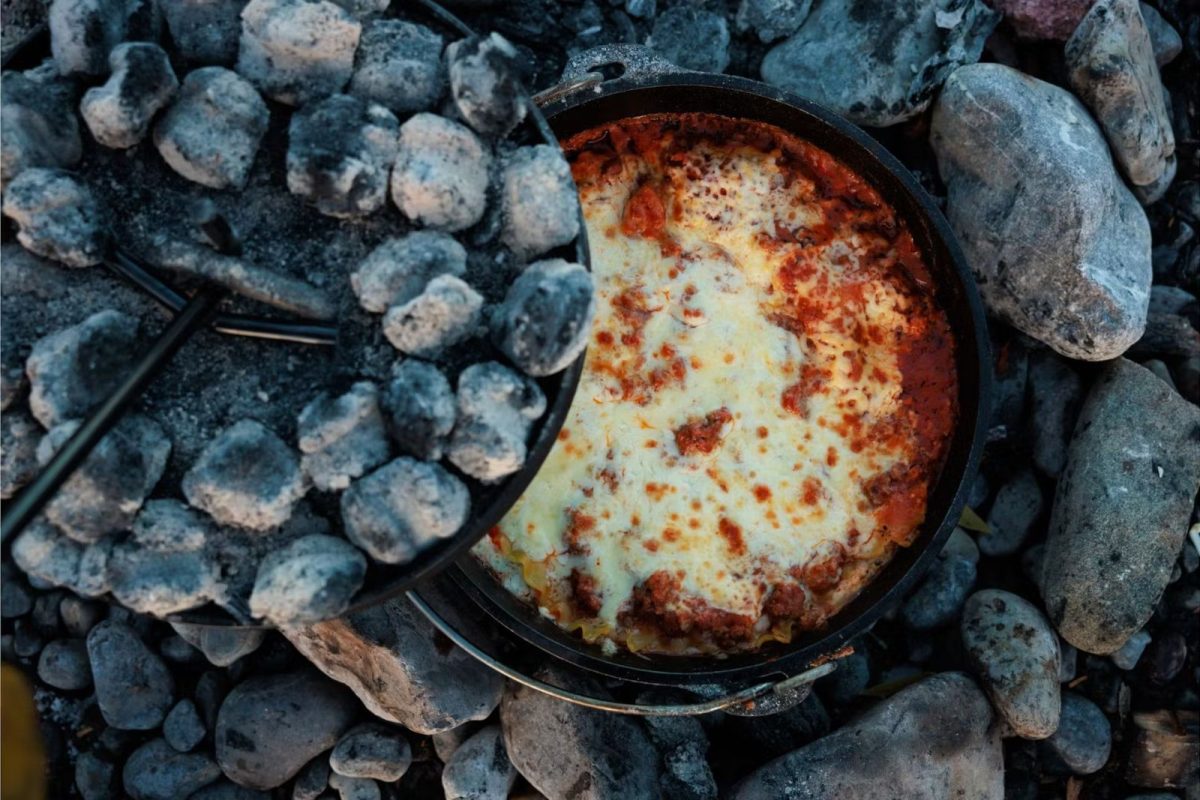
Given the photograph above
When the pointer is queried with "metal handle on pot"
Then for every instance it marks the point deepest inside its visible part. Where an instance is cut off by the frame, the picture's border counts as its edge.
(745, 697)
(587, 70)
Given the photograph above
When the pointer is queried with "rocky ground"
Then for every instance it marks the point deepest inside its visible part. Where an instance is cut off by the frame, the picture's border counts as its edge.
(1053, 651)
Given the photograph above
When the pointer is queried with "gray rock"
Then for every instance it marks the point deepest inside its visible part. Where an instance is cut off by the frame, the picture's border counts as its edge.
(313, 578)
(1122, 507)
(399, 269)
(205, 31)
(183, 729)
(178, 650)
(446, 742)
(496, 408)
(446, 313)
(399, 66)
(134, 689)
(774, 735)
(95, 777)
(372, 750)
(691, 38)
(1057, 391)
(155, 771)
(1130, 653)
(342, 438)
(541, 206)
(340, 152)
(392, 658)
(546, 317)
(14, 595)
(83, 32)
(162, 568)
(402, 508)
(772, 19)
(296, 51)
(142, 82)
(1068, 662)
(645, 9)
(79, 616)
(480, 769)
(246, 477)
(485, 83)
(45, 613)
(1164, 39)
(312, 780)
(849, 680)
(211, 133)
(420, 407)
(1012, 648)
(939, 598)
(64, 665)
(105, 493)
(934, 739)
(45, 554)
(37, 112)
(440, 178)
(1111, 67)
(1061, 252)
(354, 788)
(1018, 505)
(221, 645)
(57, 217)
(879, 63)
(227, 790)
(19, 435)
(271, 725)
(1084, 738)
(565, 750)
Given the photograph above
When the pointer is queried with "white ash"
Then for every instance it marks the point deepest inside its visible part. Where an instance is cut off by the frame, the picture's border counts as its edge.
(446, 313)
(312, 579)
(19, 435)
(57, 216)
(541, 206)
(372, 750)
(84, 32)
(544, 321)
(44, 553)
(496, 408)
(246, 477)
(399, 65)
(37, 114)
(402, 508)
(142, 82)
(74, 370)
(205, 31)
(420, 407)
(397, 270)
(342, 438)
(340, 153)
(212, 131)
(485, 83)
(441, 174)
(105, 493)
(295, 51)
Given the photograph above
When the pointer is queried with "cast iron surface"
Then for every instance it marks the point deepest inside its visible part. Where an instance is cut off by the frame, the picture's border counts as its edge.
(664, 92)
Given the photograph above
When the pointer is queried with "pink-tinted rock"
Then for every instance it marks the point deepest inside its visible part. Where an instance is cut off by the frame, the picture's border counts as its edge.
(1043, 19)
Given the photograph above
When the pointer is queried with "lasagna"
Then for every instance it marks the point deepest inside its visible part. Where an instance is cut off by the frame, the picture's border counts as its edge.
(766, 399)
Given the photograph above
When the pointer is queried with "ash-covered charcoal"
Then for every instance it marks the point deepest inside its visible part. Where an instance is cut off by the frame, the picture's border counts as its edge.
(142, 82)
(205, 31)
(243, 277)
(47, 555)
(246, 477)
(420, 408)
(496, 408)
(74, 370)
(212, 131)
(441, 174)
(92, 579)
(372, 750)
(340, 151)
(399, 66)
(544, 321)
(397, 270)
(84, 32)
(57, 216)
(19, 435)
(312, 579)
(400, 509)
(342, 438)
(541, 206)
(162, 568)
(37, 114)
(485, 83)
(446, 313)
(104, 494)
(295, 51)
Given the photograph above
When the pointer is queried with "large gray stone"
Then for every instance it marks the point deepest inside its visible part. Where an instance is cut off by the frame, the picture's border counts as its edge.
(1056, 393)
(935, 739)
(37, 113)
(879, 62)
(1164, 38)
(1018, 505)
(479, 769)
(1122, 507)
(134, 688)
(156, 771)
(372, 750)
(391, 657)
(1060, 247)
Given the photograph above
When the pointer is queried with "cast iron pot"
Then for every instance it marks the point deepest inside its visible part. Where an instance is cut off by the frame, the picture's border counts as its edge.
(618, 81)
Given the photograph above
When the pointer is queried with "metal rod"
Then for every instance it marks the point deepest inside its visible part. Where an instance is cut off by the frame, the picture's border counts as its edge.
(26, 506)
